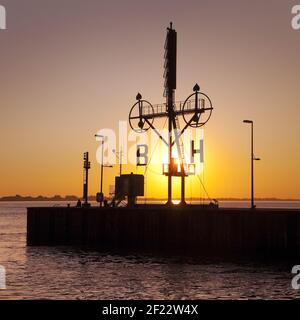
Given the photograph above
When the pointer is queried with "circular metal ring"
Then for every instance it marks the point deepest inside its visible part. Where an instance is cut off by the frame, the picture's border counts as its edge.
(141, 116)
(194, 121)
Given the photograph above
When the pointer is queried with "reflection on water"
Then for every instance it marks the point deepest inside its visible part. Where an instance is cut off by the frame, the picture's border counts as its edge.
(72, 273)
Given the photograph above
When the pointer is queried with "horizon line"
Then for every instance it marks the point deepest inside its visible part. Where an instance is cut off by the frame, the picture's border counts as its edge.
(92, 197)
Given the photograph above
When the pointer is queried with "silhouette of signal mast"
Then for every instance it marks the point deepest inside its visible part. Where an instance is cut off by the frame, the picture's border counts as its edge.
(196, 110)
(86, 167)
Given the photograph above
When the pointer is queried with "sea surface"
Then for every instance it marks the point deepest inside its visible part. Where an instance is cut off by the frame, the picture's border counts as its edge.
(73, 273)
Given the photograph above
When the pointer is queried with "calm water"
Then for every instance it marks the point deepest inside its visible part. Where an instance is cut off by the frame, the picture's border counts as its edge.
(70, 273)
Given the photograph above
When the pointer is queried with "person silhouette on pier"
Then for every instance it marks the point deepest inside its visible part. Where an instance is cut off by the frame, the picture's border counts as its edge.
(78, 205)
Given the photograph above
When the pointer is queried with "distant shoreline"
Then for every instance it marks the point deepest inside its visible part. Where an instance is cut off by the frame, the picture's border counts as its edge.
(93, 198)
(39, 198)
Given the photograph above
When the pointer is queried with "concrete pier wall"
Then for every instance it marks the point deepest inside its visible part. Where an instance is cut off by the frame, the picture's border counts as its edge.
(190, 230)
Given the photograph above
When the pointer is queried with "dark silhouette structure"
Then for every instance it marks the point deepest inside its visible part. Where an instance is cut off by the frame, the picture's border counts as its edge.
(100, 195)
(252, 158)
(78, 204)
(86, 167)
(178, 230)
(130, 186)
(143, 113)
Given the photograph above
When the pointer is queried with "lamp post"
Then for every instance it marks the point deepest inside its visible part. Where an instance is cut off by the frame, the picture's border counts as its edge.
(100, 196)
(253, 158)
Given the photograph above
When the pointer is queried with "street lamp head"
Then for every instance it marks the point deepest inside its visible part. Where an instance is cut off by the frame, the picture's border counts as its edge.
(247, 121)
(100, 136)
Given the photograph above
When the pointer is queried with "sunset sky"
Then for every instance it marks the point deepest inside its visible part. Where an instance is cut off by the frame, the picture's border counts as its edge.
(71, 67)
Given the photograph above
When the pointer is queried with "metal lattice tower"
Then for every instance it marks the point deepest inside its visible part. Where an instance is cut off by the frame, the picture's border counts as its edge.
(196, 111)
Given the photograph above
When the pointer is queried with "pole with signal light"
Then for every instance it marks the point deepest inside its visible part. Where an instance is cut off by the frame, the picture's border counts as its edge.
(86, 167)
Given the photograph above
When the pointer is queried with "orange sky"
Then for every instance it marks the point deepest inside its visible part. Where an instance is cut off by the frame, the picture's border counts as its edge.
(69, 68)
